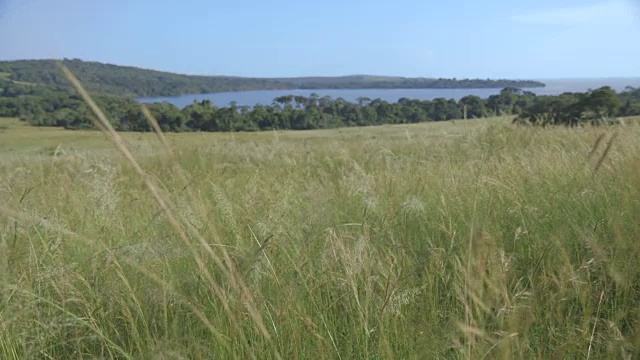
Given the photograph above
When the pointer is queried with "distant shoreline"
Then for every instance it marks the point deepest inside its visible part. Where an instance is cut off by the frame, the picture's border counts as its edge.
(109, 79)
(265, 97)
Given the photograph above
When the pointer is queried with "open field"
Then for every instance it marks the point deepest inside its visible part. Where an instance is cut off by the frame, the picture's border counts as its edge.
(466, 239)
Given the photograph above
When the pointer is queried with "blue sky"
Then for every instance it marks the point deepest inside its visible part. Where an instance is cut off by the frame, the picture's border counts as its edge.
(538, 39)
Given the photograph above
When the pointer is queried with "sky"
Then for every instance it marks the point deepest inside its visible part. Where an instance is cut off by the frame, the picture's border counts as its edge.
(525, 39)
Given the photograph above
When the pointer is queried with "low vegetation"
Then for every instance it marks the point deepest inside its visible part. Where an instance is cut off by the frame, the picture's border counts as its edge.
(467, 239)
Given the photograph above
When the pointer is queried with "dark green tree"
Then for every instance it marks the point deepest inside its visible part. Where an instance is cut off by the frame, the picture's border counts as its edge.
(604, 102)
(475, 106)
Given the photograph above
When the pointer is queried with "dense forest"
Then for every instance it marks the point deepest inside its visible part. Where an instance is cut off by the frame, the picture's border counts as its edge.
(47, 106)
(109, 79)
(386, 82)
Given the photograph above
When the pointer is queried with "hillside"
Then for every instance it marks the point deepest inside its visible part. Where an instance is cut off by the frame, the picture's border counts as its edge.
(396, 82)
(136, 82)
(129, 81)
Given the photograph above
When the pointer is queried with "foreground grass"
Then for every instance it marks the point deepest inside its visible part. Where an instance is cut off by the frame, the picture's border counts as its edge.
(462, 240)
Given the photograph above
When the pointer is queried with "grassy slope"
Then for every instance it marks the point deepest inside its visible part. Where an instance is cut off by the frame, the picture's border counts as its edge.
(449, 240)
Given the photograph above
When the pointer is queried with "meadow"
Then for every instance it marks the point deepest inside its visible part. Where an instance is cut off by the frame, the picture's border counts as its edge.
(451, 240)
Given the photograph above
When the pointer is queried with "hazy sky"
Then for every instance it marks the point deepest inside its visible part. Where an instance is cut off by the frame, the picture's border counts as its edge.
(490, 38)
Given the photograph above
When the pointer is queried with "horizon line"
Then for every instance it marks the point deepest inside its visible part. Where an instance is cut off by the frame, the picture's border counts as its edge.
(322, 76)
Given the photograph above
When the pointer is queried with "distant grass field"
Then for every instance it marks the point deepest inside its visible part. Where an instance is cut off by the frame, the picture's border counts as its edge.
(466, 239)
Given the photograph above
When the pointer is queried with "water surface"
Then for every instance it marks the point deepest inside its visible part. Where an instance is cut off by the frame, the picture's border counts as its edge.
(265, 97)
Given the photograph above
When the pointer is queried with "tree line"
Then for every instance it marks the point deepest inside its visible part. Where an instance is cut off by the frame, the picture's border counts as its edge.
(45, 106)
(596, 106)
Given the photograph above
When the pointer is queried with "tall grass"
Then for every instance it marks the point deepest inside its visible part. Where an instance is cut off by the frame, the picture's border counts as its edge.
(469, 240)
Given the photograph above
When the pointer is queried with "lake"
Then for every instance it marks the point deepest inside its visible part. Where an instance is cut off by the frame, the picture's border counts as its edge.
(265, 97)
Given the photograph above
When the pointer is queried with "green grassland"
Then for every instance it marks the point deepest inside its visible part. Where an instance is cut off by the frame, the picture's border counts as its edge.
(466, 239)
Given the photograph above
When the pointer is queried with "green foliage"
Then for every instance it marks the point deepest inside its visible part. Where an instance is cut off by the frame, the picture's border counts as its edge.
(46, 106)
(575, 108)
(101, 78)
(386, 82)
(474, 106)
(603, 102)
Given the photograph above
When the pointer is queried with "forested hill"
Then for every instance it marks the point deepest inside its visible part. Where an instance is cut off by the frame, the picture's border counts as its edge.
(135, 82)
(129, 81)
(395, 82)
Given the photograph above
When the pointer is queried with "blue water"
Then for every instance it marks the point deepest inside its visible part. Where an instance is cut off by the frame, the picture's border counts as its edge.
(265, 97)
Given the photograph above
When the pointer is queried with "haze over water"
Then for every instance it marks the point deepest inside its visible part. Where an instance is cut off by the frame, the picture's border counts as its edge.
(265, 97)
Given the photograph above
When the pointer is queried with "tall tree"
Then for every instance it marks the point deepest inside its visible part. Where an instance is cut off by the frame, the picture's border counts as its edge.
(604, 102)
(475, 106)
